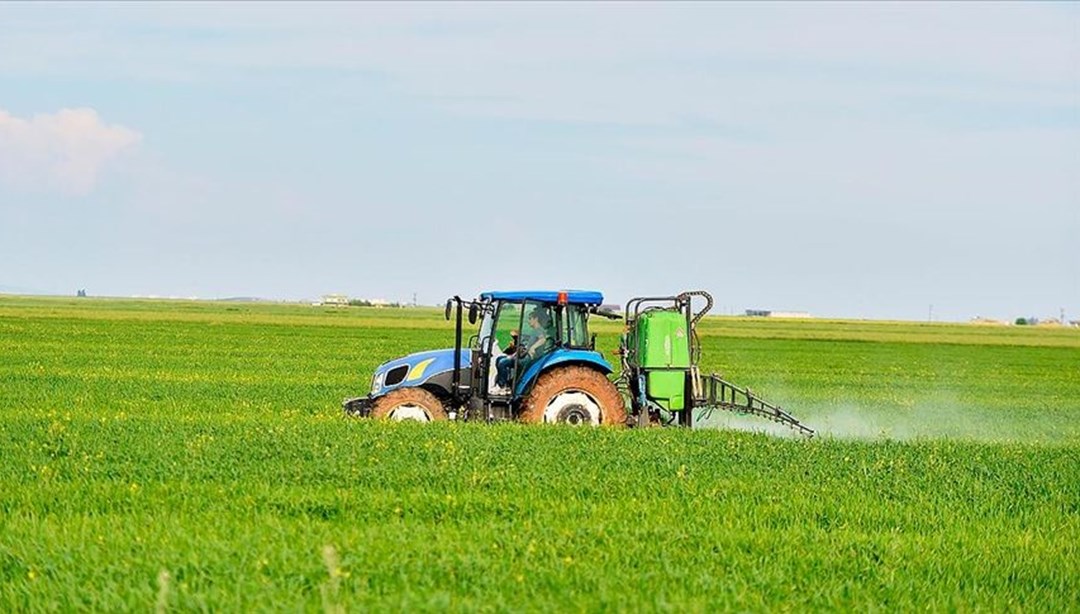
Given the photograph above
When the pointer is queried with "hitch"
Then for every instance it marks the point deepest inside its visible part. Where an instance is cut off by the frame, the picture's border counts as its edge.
(358, 407)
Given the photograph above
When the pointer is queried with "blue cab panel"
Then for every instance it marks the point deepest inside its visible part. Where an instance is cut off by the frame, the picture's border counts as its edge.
(573, 297)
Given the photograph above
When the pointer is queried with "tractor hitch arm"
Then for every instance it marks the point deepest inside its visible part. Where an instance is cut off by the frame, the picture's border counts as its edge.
(359, 407)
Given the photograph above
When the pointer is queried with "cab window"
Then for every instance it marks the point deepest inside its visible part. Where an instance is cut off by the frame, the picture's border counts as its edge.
(508, 320)
(573, 330)
(538, 334)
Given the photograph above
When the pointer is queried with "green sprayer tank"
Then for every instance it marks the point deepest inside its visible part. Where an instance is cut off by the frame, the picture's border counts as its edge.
(663, 344)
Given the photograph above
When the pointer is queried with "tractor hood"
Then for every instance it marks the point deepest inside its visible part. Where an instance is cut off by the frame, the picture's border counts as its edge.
(416, 369)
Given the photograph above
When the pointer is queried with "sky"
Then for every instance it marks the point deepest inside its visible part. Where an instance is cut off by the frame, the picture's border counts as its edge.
(868, 160)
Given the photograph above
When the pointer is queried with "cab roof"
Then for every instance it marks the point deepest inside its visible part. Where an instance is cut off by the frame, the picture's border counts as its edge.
(573, 297)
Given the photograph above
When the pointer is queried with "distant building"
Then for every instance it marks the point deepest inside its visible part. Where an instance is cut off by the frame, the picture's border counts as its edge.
(373, 302)
(767, 313)
(335, 299)
(791, 314)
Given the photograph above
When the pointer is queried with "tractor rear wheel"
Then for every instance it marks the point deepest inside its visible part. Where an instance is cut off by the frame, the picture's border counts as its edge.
(409, 404)
(574, 395)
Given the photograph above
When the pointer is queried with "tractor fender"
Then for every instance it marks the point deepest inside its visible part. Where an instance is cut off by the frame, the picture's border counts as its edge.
(557, 358)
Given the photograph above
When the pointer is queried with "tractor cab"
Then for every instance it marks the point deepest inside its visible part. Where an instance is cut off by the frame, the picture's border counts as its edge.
(523, 333)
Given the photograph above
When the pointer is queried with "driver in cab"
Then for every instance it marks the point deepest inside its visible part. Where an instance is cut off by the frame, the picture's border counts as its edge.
(538, 340)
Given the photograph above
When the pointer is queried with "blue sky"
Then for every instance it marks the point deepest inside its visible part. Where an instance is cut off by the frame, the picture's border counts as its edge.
(846, 159)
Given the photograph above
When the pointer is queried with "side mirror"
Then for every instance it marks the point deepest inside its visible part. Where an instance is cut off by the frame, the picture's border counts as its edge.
(474, 311)
(606, 312)
(449, 307)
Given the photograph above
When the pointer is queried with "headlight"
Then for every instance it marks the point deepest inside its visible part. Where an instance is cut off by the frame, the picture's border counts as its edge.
(376, 383)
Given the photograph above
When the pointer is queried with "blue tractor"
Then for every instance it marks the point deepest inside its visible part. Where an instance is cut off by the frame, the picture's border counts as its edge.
(532, 359)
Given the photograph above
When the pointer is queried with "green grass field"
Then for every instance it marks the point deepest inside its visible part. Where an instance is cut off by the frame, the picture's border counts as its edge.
(193, 456)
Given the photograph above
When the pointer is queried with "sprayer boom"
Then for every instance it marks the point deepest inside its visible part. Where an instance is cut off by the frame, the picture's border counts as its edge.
(712, 392)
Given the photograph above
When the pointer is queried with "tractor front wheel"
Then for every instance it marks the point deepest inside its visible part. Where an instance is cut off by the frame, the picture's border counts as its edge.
(409, 404)
(574, 395)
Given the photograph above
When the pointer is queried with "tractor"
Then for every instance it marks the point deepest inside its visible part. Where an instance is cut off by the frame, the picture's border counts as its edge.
(533, 359)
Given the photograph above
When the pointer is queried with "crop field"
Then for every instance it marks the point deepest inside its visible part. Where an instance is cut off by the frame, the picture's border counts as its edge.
(193, 456)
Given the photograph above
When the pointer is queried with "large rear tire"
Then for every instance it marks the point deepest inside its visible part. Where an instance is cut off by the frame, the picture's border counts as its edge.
(574, 395)
(409, 404)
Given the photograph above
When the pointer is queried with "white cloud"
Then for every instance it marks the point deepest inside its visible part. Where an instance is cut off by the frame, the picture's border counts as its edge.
(65, 151)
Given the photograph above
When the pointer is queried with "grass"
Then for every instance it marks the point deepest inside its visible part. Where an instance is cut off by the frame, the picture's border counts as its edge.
(205, 441)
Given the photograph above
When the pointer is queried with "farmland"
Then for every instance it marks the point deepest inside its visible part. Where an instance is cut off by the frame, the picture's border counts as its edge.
(193, 456)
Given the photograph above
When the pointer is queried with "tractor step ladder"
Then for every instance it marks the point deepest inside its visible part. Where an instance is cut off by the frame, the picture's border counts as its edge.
(713, 392)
